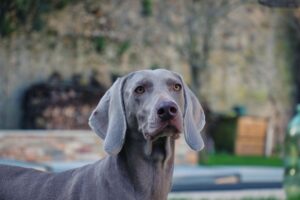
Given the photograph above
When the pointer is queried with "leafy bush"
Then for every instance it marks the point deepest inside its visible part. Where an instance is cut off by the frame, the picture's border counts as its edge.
(147, 8)
(17, 13)
(124, 46)
(223, 133)
(100, 44)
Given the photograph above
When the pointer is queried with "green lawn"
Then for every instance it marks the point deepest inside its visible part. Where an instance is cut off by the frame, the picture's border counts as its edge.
(226, 159)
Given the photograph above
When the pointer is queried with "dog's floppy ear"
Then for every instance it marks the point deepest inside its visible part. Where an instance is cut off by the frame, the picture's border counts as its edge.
(108, 119)
(194, 120)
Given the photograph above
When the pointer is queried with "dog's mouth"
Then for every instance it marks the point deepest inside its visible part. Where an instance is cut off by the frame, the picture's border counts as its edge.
(165, 130)
(159, 137)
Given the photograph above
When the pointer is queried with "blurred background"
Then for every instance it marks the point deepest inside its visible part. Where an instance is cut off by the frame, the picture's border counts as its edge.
(240, 57)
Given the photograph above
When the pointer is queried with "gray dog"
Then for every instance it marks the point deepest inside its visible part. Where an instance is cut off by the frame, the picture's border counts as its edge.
(138, 118)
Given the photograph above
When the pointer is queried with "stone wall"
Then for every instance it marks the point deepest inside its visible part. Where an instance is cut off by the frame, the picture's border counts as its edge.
(246, 64)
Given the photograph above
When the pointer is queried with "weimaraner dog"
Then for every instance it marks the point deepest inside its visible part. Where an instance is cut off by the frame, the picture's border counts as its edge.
(138, 118)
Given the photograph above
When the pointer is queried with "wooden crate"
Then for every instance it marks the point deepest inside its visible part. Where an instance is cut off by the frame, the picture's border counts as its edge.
(251, 136)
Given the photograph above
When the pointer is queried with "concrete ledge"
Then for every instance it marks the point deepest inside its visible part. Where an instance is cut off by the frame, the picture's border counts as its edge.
(67, 145)
(230, 195)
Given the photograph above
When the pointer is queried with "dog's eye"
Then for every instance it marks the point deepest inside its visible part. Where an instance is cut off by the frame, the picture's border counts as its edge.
(177, 87)
(139, 90)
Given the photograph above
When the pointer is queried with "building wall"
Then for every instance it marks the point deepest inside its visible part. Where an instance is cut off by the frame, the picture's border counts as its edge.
(244, 67)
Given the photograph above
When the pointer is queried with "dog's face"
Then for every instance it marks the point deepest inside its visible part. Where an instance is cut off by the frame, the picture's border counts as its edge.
(151, 103)
(154, 103)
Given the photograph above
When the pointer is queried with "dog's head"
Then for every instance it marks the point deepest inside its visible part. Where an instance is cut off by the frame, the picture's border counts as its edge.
(153, 103)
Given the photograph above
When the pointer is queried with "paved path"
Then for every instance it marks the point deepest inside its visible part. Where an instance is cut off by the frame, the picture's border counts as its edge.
(277, 194)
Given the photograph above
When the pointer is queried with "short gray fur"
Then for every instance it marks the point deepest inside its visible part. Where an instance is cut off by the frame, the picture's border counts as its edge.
(136, 167)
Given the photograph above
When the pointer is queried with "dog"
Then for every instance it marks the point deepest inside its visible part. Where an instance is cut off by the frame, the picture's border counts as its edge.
(139, 118)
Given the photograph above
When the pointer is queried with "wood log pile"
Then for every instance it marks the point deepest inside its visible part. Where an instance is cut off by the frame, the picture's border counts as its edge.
(61, 104)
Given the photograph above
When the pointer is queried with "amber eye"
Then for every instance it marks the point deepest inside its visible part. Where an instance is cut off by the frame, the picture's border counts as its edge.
(139, 90)
(177, 87)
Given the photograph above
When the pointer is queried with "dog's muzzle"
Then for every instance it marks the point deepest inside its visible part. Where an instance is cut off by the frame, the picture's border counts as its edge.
(169, 121)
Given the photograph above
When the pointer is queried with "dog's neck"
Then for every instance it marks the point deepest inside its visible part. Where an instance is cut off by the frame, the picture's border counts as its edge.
(149, 172)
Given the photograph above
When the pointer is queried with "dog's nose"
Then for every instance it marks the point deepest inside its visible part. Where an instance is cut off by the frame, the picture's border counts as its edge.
(167, 110)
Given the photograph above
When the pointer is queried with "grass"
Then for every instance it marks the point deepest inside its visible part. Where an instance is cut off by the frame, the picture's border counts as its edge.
(226, 159)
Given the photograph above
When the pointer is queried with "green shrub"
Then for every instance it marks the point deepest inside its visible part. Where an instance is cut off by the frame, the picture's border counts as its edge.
(223, 133)
(123, 48)
(147, 8)
(100, 44)
(18, 13)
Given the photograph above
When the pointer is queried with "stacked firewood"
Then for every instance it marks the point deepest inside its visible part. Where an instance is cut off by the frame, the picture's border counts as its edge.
(61, 104)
